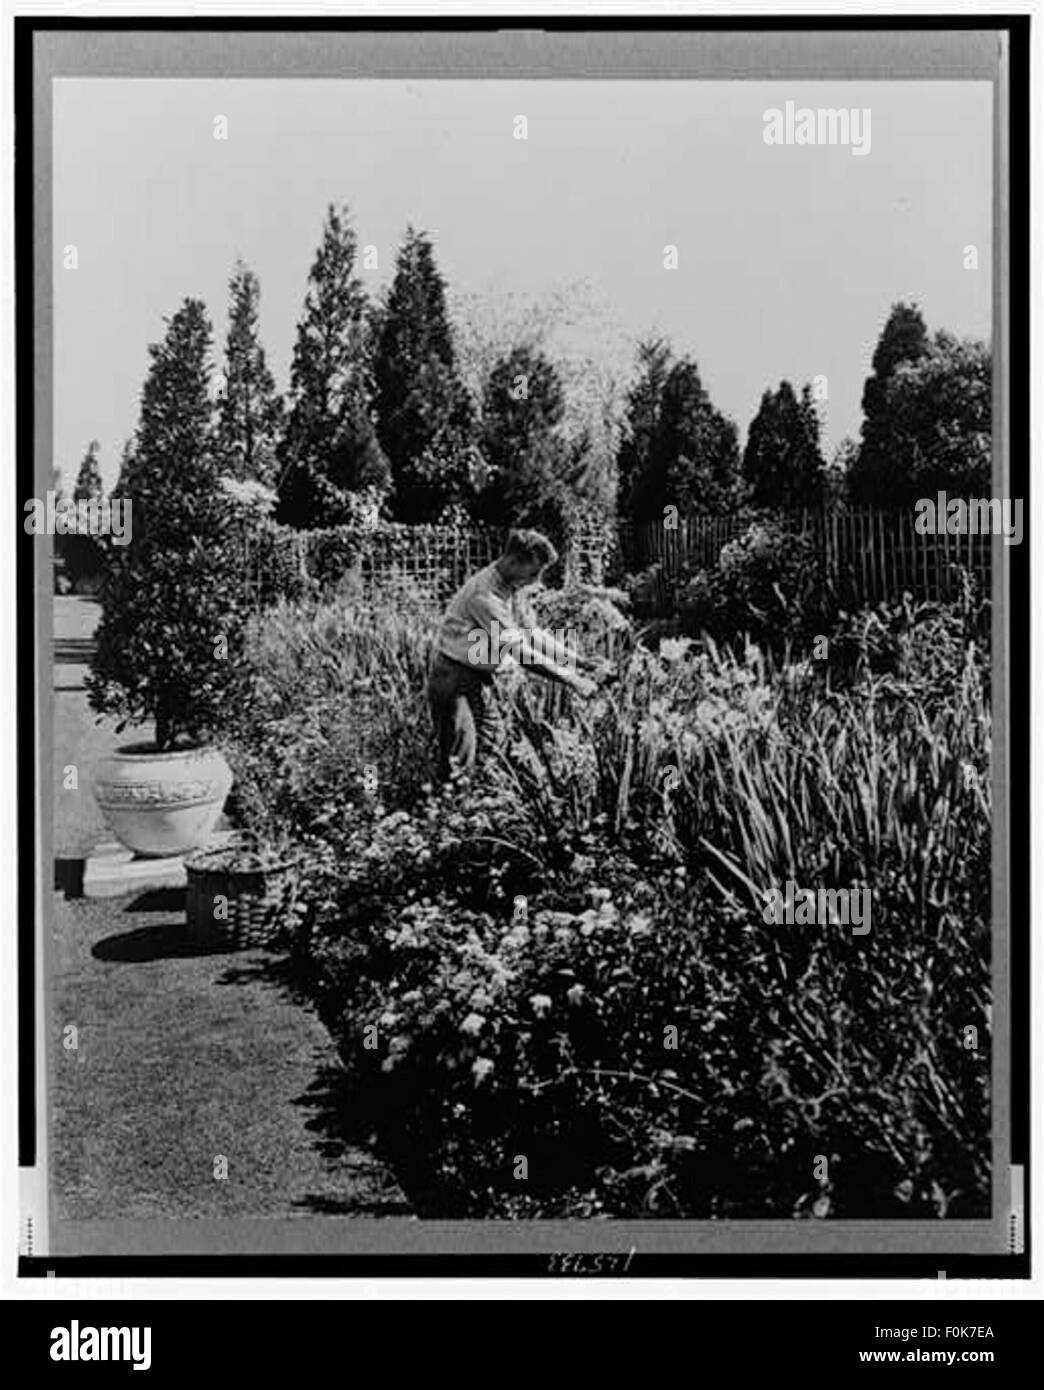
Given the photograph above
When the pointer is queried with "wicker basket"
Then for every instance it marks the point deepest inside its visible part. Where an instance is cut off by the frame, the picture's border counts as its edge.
(257, 902)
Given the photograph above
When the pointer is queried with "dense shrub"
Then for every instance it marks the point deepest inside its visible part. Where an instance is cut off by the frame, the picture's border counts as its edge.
(592, 617)
(79, 562)
(768, 584)
(547, 1035)
(278, 572)
(336, 552)
(645, 590)
(920, 645)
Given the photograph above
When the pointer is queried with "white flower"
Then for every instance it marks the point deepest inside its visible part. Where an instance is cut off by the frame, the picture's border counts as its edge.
(481, 1068)
(249, 493)
(588, 920)
(473, 1025)
(575, 993)
(540, 1004)
(674, 648)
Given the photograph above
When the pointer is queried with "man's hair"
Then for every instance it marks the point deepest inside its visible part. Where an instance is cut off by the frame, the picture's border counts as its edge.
(530, 545)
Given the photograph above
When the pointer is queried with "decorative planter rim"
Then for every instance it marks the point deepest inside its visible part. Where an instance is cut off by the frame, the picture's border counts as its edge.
(136, 752)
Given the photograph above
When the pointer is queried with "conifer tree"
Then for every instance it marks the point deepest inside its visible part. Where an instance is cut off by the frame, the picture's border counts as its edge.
(425, 418)
(330, 448)
(171, 599)
(877, 471)
(782, 463)
(679, 450)
(249, 408)
(529, 474)
(88, 486)
(642, 420)
(696, 450)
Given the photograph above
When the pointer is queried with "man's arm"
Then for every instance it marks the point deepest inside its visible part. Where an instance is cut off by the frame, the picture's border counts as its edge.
(513, 644)
(559, 652)
(568, 654)
(533, 656)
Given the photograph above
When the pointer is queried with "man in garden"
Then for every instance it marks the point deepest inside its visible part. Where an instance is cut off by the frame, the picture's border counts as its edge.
(483, 631)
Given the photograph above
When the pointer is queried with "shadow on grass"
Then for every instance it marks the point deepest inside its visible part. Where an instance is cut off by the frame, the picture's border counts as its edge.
(343, 1139)
(343, 1108)
(256, 965)
(73, 651)
(68, 877)
(165, 941)
(158, 900)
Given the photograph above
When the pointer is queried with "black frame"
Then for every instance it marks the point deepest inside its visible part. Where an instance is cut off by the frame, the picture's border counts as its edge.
(644, 1265)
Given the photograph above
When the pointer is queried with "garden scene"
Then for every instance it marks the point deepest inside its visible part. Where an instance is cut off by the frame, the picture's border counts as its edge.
(548, 987)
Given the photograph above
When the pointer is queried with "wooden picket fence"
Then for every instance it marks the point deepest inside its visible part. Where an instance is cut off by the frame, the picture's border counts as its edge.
(871, 555)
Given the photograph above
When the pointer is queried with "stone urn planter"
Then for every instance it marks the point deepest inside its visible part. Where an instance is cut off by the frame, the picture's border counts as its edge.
(162, 804)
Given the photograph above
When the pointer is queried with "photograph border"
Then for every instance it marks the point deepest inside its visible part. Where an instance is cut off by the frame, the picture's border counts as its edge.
(401, 1246)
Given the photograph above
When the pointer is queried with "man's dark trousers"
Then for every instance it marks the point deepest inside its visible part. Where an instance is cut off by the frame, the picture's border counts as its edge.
(463, 706)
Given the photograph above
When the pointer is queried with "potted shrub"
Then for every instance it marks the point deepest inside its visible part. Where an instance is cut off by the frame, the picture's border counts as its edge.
(173, 601)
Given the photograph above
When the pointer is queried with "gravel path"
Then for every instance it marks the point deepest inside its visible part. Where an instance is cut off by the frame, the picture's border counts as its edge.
(183, 1059)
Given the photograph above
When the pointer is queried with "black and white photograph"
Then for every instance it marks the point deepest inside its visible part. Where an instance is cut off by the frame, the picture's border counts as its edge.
(522, 565)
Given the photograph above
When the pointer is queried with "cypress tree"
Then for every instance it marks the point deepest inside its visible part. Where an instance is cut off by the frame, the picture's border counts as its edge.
(425, 419)
(330, 449)
(171, 602)
(249, 408)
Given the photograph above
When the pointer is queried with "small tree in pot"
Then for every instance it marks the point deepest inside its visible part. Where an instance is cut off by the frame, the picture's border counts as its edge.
(174, 601)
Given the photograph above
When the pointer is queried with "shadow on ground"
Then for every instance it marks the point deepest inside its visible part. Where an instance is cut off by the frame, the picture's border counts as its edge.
(343, 1141)
(274, 969)
(336, 1104)
(164, 941)
(158, 900)
(73, 651)
(68, 877)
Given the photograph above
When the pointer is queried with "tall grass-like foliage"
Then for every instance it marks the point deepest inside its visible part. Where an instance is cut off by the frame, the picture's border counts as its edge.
(329, 714)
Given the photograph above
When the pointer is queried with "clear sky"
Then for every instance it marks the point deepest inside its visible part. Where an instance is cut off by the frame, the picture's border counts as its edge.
(789, 257)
